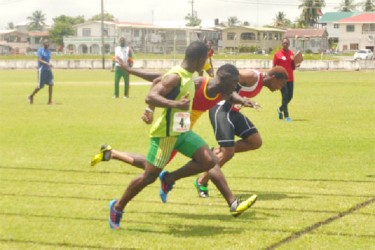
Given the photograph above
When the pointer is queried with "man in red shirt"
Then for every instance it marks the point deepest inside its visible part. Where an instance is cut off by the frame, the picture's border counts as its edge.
(285, 58)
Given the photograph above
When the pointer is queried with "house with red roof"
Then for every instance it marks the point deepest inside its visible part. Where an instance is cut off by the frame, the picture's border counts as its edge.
(349, 30)
(357, 32)
(308, 40)
(13, 42)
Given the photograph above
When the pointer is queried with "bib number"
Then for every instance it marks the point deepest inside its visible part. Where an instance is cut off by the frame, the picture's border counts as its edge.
(181, 122)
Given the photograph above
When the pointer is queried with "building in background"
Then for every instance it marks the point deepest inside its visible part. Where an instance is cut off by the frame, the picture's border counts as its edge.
(357, 32)
(308, 40)
(145, 38)
(248, 39)
(349, 31)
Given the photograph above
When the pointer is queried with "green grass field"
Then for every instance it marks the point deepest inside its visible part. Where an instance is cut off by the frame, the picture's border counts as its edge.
(315, 177)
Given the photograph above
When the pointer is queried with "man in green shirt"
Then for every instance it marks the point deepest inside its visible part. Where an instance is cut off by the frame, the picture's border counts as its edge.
(171, 131)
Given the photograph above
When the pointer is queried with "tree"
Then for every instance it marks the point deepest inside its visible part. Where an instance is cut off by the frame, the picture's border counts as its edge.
(37, 20)
(347, 6)
(10, 26)
(192, 20)
(106, 16)
(246, 23)
(299, 22)
(311, 10)
(63, 26)
(233, 21)
(281, 21)
(368, 6)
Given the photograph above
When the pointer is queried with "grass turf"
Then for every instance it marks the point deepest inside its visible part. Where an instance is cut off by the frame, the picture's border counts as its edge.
(314, 177)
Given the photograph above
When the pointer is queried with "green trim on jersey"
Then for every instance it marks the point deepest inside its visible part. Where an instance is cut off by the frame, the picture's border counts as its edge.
(163, 126)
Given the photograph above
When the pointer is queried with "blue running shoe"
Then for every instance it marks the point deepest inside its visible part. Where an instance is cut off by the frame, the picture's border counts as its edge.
(280, 114)
(165, 188)
(114, 216)
(288, 119)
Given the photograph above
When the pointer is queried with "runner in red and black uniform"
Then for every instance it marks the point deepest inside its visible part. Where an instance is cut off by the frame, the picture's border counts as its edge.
(228, 122)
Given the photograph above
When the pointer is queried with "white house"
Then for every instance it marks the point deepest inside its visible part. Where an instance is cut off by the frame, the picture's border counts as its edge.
(88, 39)
(357, 32)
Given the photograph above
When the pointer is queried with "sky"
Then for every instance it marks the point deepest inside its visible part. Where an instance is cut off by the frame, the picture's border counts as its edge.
(256, 12)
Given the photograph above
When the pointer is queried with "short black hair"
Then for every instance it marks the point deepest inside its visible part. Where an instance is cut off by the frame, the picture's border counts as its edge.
(196, 50)
(279, 72)
(227, 70)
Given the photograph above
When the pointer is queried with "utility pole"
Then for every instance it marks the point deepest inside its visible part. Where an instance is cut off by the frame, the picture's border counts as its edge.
(192, 8)
(103, 60)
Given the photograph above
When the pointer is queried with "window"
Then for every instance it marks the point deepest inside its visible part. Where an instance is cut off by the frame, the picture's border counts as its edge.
(86, 32)
(350, 28)
(368, 27)
(354, 46)
(136, 33)
(231, 36)
(248, 36)
(105, 32)
(336, 26)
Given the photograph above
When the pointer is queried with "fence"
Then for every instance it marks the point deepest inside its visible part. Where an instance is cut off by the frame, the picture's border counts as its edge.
(166, 64)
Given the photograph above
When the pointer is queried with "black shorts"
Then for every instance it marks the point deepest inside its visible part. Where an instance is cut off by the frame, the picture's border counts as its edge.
(228, 123)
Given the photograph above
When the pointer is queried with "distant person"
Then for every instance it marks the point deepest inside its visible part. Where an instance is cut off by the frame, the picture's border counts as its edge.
(208, 67)
(45, 75)
(125, 53)
(285, 58)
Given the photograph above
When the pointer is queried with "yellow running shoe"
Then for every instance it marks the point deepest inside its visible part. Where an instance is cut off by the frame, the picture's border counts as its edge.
(238, 206)
(103, 155)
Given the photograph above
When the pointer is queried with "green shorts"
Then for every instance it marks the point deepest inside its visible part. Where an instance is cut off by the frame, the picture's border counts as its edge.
(161, 148)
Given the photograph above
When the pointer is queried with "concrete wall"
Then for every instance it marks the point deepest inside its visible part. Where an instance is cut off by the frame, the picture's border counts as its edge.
(166, 64)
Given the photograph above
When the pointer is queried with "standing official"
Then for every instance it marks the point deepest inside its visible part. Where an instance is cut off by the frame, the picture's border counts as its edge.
(126, 55)
(285, 58)
(45, 75)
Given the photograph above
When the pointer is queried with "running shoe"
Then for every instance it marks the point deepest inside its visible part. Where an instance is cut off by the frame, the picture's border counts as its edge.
(238, 206)
(165, 188)
(103, 155)
(114, 216)
(288, 119)
(280, 114)
(30, 99)
(202, 189)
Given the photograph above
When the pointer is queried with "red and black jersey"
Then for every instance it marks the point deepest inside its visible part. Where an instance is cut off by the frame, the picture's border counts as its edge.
(249, 92)
(202, 102)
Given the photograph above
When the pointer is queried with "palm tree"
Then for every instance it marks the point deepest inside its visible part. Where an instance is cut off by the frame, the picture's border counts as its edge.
(37, 20)
(299, 22)
(347, 6)
(10, 26)
(368, 5)
(233, 21)
(311, 10)
(280, 20)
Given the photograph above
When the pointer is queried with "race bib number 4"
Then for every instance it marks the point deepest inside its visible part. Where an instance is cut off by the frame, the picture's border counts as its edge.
(181, 122)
